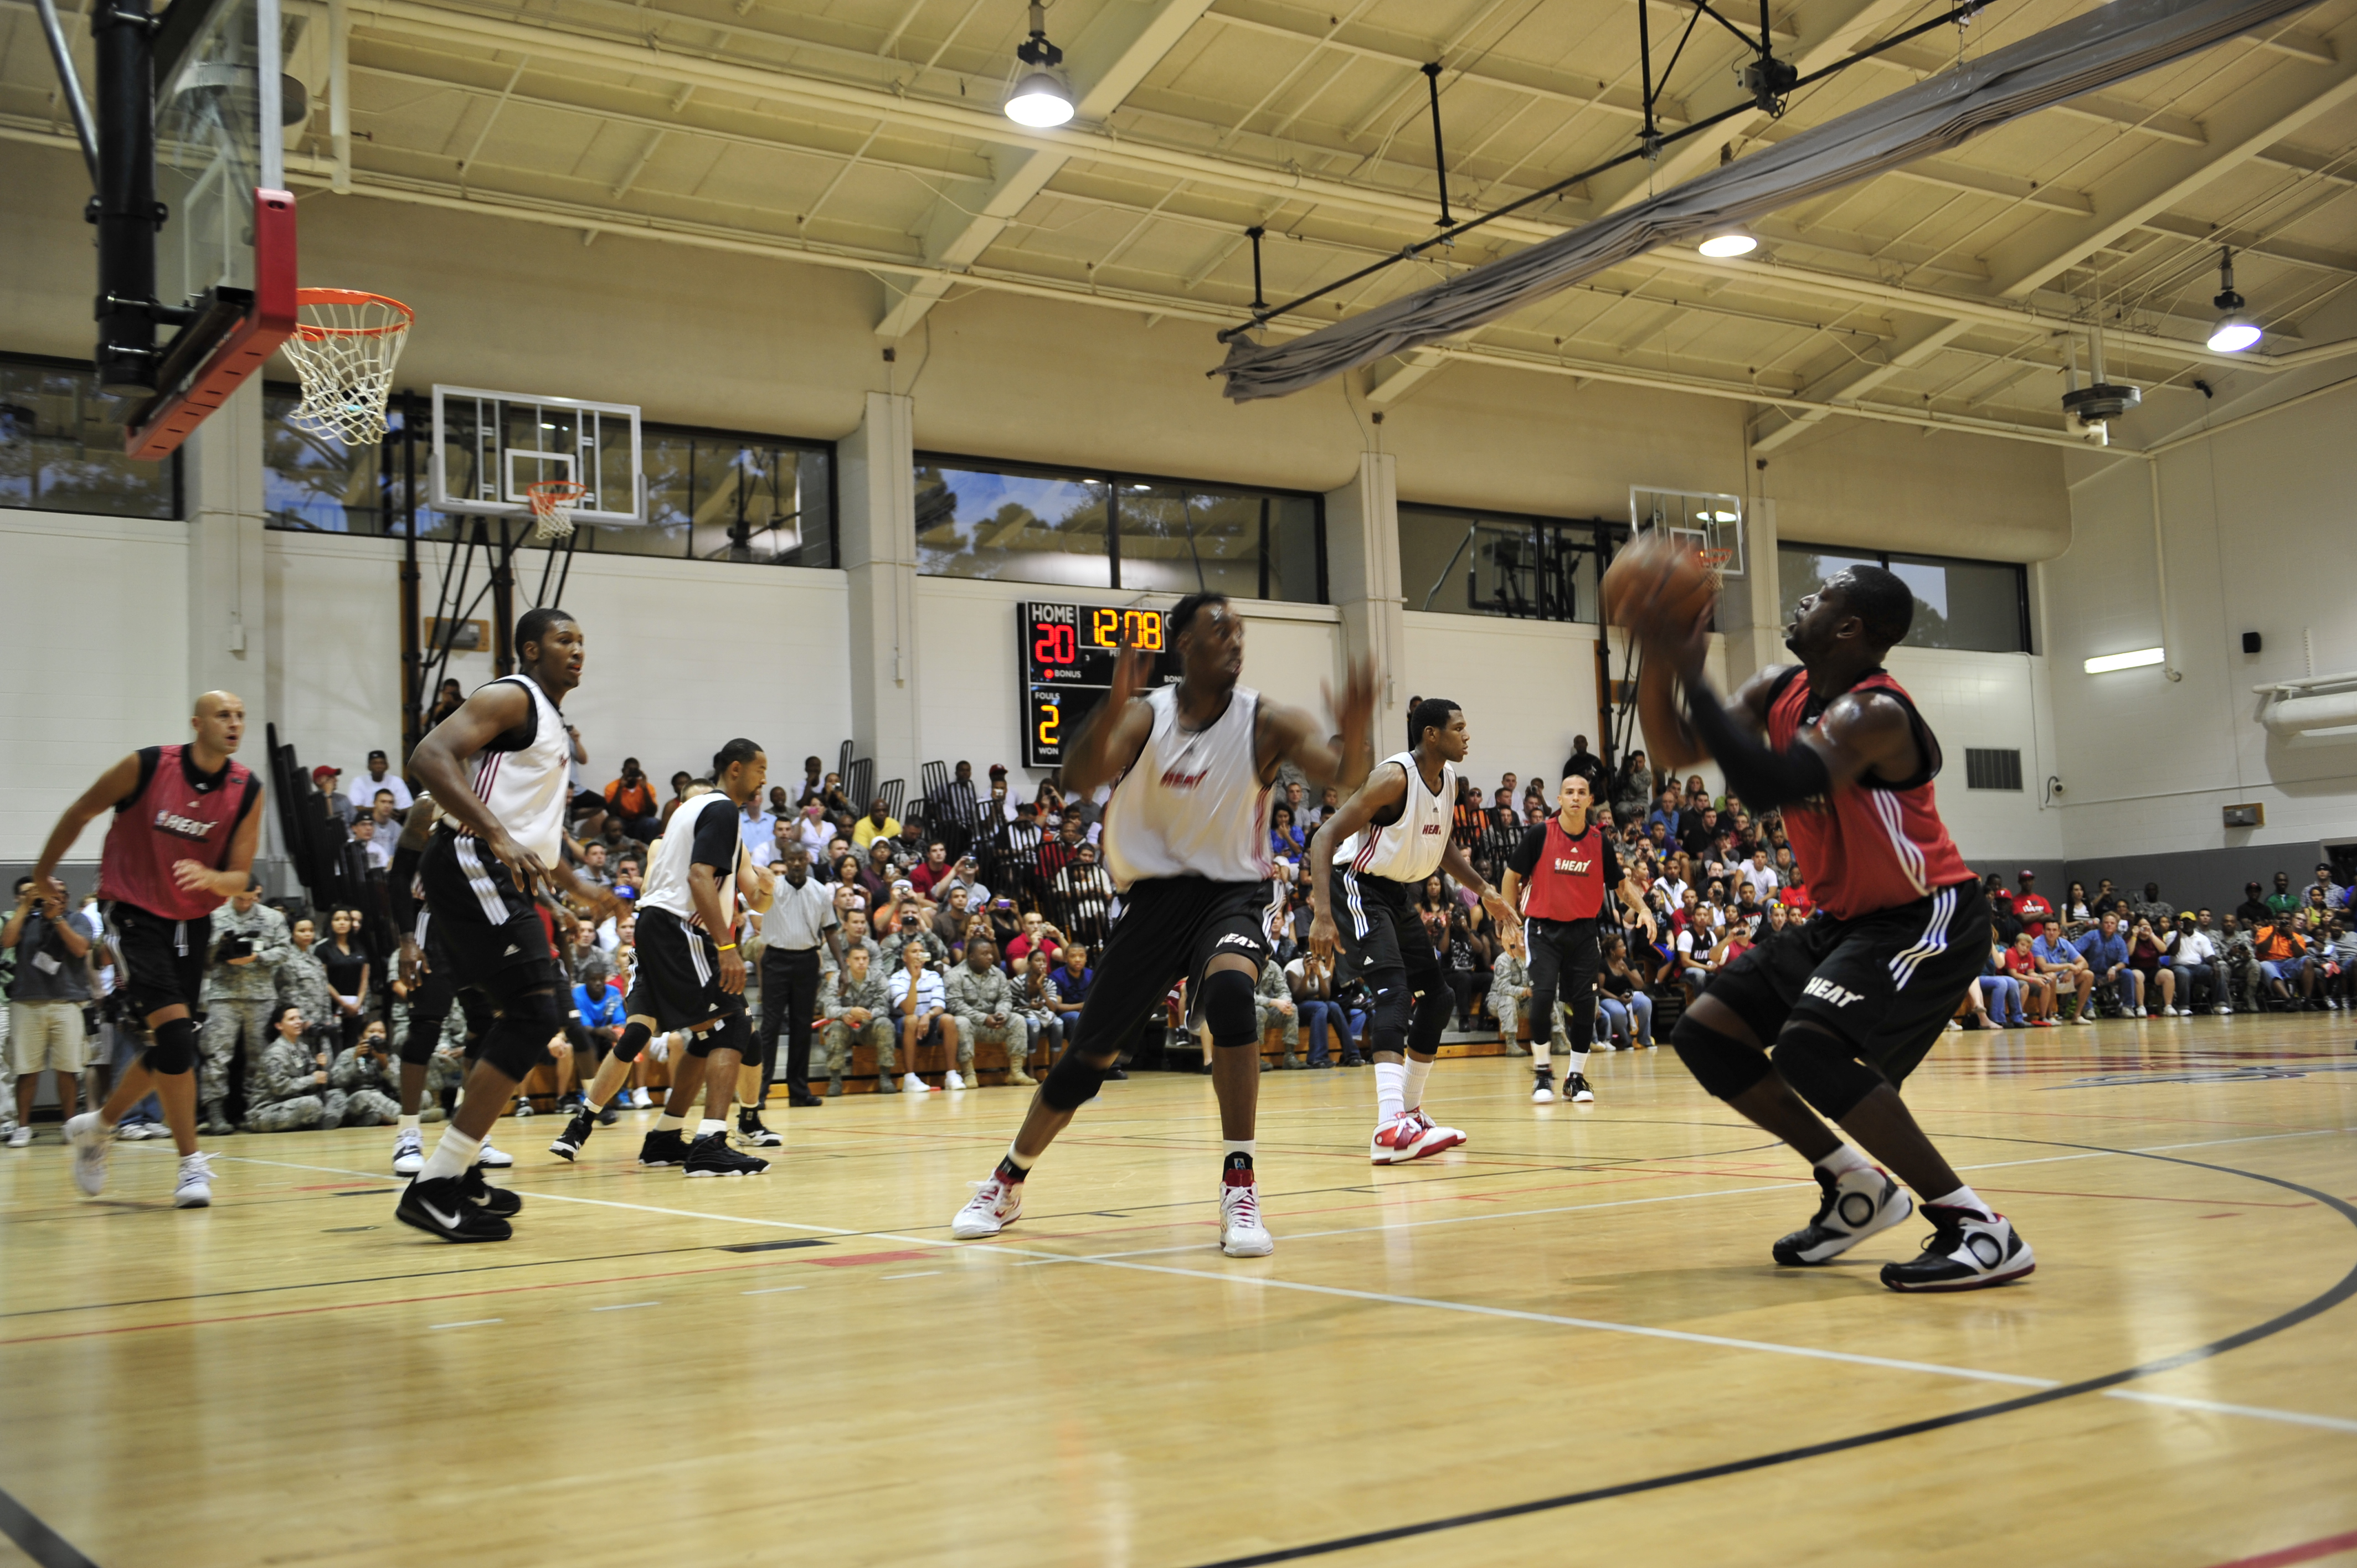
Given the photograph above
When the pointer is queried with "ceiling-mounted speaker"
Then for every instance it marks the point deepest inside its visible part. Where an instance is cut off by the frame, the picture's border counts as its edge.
(2250, 642)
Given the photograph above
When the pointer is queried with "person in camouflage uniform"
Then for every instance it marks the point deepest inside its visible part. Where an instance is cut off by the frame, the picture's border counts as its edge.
(288, 1090)
(241, 994)
(2241, 958)
(980, 993)
(303, 978)
(1273, 1003)
(1510, 988)
(937, 952)
(368, 1080)
(857, 1006)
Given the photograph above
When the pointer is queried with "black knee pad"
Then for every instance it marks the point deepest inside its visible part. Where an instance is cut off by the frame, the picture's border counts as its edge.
(635, 1035)
(1823, 1071)
(1722, 1065)
(1073, 1081)
(1431, 1020)
(172, 1047)
(1228, 1009)
(1390, 1010)
(517, 1041)
(733, 1033)
(418, 1041)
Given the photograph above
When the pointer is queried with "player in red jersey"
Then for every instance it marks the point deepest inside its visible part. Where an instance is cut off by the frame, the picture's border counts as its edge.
(1852, 998)
(188, 819)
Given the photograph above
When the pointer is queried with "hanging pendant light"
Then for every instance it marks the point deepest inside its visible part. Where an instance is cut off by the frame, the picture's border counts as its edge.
(2235, 331)
(1041, 100)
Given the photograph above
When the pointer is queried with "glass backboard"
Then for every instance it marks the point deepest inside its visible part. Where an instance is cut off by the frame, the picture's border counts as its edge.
(490, 447)
(1711, 522)
(213, 99)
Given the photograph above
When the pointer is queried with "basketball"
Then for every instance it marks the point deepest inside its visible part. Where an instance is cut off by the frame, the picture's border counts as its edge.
(1656, 582)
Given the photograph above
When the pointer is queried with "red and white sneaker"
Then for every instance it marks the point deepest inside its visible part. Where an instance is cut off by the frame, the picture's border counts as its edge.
(992, 1209)
(1242, 1234)
(1409, 1136)
(1437, 1137)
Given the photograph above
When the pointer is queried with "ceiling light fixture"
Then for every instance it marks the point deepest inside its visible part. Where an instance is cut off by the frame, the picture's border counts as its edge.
(2234, 331)
(1041, 100)
(2136, 660)
(1731, 240)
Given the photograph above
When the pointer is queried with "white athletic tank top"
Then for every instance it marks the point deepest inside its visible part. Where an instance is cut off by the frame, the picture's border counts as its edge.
(667, 871)
(1408, 850)
(1193, 804)
(522, 776)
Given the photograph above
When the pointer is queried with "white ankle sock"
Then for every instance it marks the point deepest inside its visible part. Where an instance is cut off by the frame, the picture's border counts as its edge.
(1390, 1089)
(1418, 1072)
(1019, 1159)
(1542, 1054)
(594, 1106)
(1841, 1161)
(409, 1123)
(706, 1127)
(1575, 1061)
(453, 1153)
(1245, 1146)
(1965, 1197)
(667, 1123)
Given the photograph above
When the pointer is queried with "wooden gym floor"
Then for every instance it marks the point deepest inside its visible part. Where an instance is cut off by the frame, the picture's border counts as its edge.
(1564, 1343)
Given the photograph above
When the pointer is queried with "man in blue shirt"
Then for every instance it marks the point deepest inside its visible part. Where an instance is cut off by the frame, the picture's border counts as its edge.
(1070, 983)
(2060, 963)
(2105, 952)
(598, 1014)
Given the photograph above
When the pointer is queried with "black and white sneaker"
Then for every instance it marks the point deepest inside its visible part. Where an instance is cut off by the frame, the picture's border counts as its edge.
(751, 1133)
(710, 1155)
(1964, 1251)
(1543, 1088)
(664, 1149)
(491, 1200)
(439, 1208)
(1855, 1205)
(1576, 1090)
(577, 1132)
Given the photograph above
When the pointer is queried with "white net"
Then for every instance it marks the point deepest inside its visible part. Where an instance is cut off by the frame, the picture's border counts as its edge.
(552, 502)
(344, 347)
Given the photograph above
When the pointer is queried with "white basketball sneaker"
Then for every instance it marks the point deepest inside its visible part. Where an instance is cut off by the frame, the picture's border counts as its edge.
(196, 1186)
(1242, 1234)
(1964, 1251)
(993, 1208)
(1436, 1137)
(495, 1159)
(89, 1141)
(408, 1153)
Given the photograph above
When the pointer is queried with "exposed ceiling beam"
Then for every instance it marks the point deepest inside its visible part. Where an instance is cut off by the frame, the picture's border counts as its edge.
(1832, 29)
(1105, 62)
(1395, 381)
(2280, 250)
(1511, 75)
(1854, 381)
(1920, 60)
(2339, 167)
(2292, 95)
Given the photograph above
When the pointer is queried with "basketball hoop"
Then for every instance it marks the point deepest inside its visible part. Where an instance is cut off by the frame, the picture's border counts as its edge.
(1716, 560)
(343, 348)
(552, 502)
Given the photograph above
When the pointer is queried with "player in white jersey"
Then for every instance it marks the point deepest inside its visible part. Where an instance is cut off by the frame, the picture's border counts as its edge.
(1186, 837)
(1394, 832)
(498, 768)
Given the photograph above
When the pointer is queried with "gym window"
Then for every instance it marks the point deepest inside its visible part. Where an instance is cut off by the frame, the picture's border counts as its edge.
(61, 444)
(712, 495)
(1457, 562)
(1092, 529)
(1982, 607)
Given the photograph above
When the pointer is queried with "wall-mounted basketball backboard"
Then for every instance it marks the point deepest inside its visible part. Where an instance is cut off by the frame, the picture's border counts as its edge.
(490, 448)
(1712, 524)
(219, 266)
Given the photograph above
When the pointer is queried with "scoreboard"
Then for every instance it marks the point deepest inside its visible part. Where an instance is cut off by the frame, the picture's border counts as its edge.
(1067, 654)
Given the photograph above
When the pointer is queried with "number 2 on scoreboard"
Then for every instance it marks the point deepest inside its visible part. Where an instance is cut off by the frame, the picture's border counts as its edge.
(1052, 718)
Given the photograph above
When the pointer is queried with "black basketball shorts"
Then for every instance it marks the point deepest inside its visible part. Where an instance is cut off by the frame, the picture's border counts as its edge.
(1375, 921)
(1170, 929)
(162, 961)
(679, 971)
(1886, 983)
(484, 928)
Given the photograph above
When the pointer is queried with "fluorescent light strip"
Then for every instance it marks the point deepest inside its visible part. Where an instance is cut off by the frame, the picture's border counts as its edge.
(2135, 660)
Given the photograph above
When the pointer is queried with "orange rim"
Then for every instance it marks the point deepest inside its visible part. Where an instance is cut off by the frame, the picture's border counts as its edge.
(304, 297)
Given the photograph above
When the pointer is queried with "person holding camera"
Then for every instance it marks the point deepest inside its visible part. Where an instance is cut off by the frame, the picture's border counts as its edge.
(51, 942)
(249, 941)
(288, 1090)
(364, 1084)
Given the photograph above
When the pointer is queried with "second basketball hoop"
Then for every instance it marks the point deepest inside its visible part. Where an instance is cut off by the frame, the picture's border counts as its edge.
(552, 502)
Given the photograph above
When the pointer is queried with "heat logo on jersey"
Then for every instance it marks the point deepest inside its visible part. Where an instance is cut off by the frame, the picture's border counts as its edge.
(183, 827)
(1577, 867)
(1825, 990)
(1174, 779)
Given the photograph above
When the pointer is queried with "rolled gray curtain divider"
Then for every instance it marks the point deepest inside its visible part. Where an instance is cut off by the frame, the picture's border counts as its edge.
(2083, 54)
